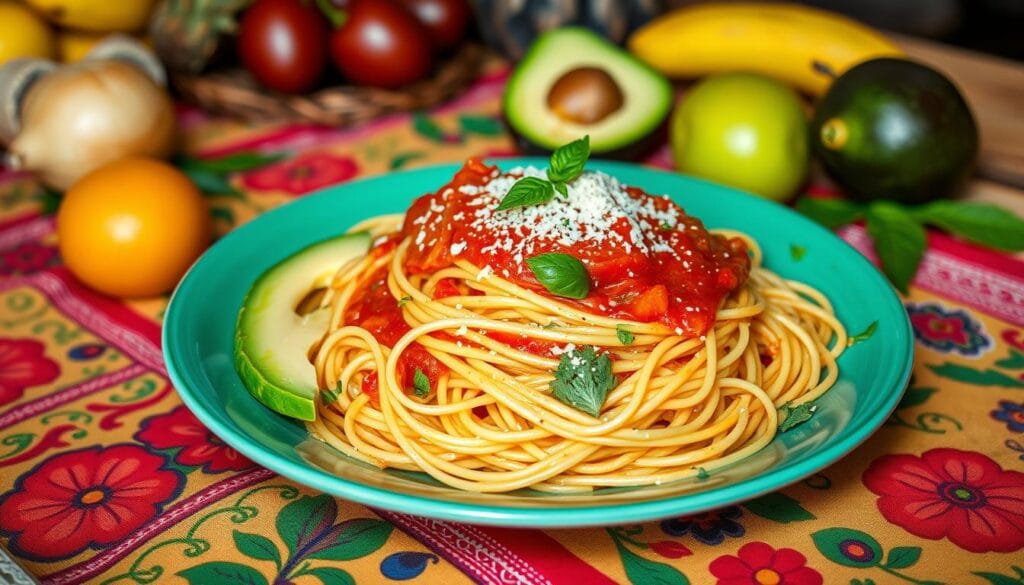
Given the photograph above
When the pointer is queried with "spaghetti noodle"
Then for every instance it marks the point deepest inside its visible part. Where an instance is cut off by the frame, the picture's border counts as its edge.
(446, 365)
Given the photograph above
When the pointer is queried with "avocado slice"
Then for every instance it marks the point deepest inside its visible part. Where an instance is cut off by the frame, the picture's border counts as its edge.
(272, 339)
(573, 82)
(895, 129)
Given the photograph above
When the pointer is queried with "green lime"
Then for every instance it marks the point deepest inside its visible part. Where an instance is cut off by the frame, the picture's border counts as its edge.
(743, 130)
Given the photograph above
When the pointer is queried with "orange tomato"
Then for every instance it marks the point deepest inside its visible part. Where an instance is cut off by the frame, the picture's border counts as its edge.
(131, 228)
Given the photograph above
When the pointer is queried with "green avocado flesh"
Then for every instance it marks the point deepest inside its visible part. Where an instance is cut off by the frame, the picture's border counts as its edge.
(646, 94)
(272, 341)
(895, 129)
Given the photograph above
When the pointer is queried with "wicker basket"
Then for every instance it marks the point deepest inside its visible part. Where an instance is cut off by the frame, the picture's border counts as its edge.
(235, 93)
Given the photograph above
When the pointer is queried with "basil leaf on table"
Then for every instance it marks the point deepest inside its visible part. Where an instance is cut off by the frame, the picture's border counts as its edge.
(528, 191)
(561, 274)
(900, 242)
(981, 223)
(831, 213)
(567, 161)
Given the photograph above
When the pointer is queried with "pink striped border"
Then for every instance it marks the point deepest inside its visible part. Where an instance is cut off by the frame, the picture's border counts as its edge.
(968, 275)
(72, 393)
(25, 229)
(88, 569)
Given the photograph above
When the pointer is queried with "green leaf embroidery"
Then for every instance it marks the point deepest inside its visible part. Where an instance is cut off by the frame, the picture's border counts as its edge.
(527, 191)
(779, 507)
(242, 161)
(223, 573)
(421, 383)
(797, 252)
(223, 213)
(793, 416)
(987, 377)
(427, 128)
(1014, 361)
(257, 546)
(915, 397)
(999, 579)
(303, 518)
(583, 379)
(625, 337)
(902, 557)
(641, 571)
(210, 182)
(568, 160)
(483, 125)
(354, 539)
(982, 223)
(899, 241)
(400, 160)
(831, 213)
(863, 335)
(702, 474)
(403, 300)
(332, 576)
(837, 543)
(561, 274)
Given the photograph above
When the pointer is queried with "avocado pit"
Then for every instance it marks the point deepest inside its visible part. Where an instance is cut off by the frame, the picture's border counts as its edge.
(585, 95)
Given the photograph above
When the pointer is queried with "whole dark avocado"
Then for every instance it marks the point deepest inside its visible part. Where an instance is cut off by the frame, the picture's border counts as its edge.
(895, 129)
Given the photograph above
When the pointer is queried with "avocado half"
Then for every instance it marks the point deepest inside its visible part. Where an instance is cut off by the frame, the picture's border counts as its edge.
(643, 104)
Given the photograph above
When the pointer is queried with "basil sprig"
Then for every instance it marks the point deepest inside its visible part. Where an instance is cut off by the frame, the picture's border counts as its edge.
(583, 379)
(898, 230)
(566, 163)
(561, 274)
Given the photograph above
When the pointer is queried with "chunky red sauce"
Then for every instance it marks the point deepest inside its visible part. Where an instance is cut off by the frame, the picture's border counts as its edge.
(646, 258)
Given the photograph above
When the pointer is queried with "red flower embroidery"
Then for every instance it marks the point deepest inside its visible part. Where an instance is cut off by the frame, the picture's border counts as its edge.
(26, 258)
(23, 364)
(759, 564)
(302, 174)
(180, 428)
(92, 497)
(670, 549)
(946, 493)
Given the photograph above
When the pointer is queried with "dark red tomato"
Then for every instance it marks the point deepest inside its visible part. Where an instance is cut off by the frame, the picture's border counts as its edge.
(283, 43)
(381, 44)
(446, 20)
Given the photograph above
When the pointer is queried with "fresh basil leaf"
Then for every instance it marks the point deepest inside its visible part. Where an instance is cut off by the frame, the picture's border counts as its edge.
(899, 241)
(561, 274)
(568, 160)
(403, 300)
(981, 223)
(625, 337)
(863, 335)
(561, 188)
(583, 379)
(421, 383)
(329, 396)
(528, 191)
(831, 213)
(702, 473)
(792, 416)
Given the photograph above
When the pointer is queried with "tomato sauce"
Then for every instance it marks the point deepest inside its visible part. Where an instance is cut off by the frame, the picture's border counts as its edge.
(647, 260)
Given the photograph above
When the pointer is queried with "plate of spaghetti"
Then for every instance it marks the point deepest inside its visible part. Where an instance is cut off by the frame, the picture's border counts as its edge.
(538, 343)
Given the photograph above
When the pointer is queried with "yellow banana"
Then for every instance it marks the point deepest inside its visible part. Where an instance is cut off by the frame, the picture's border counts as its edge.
(803, 46)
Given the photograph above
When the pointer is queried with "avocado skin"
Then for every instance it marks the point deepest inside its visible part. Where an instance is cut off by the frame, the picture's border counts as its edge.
(911, 136)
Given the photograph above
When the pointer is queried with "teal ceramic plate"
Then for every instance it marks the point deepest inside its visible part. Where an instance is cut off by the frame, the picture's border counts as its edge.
(200, 321)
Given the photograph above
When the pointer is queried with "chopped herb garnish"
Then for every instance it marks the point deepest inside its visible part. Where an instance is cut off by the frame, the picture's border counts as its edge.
(863, 335)
(561, 274)
(421, 383)
(567, 162)
(403, 300)
(792, 416)
(329, 396)
(625, 337)
(551, 325)
(797, 252)
(583, 379)
(664, 226)
(702, 473)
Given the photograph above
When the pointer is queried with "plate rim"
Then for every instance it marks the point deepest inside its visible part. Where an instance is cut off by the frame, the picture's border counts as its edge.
(769, 480)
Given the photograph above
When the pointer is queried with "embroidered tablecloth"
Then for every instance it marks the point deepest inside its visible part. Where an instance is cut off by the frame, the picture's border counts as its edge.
(106, 478)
